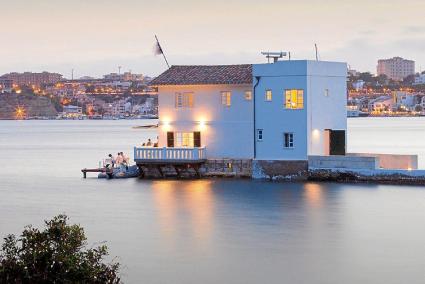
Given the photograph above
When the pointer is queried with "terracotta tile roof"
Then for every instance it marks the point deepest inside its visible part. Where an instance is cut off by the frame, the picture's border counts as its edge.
(205, 75)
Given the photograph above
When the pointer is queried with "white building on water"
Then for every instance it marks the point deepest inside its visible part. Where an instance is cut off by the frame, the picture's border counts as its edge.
(283, 111)
(260, 120)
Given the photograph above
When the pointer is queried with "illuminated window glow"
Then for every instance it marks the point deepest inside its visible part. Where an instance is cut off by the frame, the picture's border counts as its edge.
(226, 98)
(294, 99)
(184, 139)
(248, 95)
(268, 96)
(184, 100)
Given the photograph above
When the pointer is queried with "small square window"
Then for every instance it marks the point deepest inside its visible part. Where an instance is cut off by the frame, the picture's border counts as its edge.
(248, 95)
(259, 134)
(268, 96)
(288, 140)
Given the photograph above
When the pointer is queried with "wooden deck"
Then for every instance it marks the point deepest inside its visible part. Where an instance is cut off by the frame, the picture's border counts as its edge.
(107, 171)
(181, 159)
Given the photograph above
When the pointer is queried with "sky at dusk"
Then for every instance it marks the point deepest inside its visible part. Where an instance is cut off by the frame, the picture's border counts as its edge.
(95, 37)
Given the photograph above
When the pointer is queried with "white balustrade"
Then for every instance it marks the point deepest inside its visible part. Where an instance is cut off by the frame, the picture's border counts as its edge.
(165, 153)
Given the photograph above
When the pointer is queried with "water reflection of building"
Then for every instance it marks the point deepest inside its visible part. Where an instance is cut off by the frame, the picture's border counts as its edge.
(313, 193)
(195, 199)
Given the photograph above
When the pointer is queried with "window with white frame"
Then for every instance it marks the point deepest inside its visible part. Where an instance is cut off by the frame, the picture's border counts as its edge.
(294, 99)
(226, 98)
(184, 100)
(259, 134)
(268, 96)
(248, 95)
(184, 139)
(288, 140)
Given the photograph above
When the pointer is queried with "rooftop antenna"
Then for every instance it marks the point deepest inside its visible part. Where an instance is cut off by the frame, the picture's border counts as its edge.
(274, 55)
(317, 54)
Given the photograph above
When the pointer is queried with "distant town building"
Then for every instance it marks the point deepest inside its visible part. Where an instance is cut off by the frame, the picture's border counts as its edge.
(126, 76)
(87, 78)
(71, 111)
(380, 104)
(352, 72)
(30, 78)
(405, 101)
(419, 80)
(6, 85)
(396, 68)
(359, 84)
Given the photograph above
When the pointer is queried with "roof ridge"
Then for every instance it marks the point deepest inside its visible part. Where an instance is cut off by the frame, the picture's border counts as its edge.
(205, 75)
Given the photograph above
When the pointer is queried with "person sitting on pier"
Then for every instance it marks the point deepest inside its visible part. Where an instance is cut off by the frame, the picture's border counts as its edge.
(119, 160)
(110, 162)
(126, 160)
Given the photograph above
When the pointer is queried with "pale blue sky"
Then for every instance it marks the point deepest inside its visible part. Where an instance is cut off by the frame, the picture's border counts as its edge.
(94, 36)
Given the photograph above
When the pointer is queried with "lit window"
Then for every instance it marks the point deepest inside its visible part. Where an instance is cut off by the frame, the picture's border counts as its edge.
(226, 98)
(288, 140)
(268, 96)
(184, 100)
(294, 99)
(184, 139)
(259, 134)
(248, 95)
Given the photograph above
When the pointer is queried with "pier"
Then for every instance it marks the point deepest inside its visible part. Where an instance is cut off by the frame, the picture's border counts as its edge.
(107, 171)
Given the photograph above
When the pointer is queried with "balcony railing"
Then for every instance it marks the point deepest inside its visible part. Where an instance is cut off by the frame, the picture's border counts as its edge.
(184, 154)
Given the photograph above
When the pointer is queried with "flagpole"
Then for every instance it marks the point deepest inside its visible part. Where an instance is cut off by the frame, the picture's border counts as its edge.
(162, 52)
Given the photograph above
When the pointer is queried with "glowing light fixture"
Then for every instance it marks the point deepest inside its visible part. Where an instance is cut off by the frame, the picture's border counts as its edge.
(316, 134)
(202, 124)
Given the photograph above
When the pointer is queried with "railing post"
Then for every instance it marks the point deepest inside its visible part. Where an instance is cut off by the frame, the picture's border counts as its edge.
(164, 153)
(195, 153)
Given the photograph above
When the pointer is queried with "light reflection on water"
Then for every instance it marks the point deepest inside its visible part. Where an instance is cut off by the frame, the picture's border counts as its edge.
(210, 231)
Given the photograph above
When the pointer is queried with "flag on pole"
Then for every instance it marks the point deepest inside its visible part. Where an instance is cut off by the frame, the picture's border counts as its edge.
(158, 51)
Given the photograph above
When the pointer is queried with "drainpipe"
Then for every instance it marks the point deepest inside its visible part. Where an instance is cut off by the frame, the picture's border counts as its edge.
(253, 104)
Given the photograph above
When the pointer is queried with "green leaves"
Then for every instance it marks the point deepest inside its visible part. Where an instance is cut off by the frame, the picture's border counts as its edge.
(57, 254)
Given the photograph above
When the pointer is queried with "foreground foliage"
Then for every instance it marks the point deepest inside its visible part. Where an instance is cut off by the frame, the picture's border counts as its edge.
(57, 254)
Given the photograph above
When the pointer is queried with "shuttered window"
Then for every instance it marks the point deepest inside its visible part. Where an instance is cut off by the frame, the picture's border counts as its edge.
(170, 139)
(197, 139)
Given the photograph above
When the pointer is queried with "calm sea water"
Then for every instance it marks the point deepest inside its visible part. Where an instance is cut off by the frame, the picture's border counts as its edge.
(219, 231)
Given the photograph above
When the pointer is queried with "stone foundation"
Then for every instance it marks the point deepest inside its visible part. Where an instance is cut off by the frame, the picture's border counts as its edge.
(227, 168)
(274, 169)
(363, 176)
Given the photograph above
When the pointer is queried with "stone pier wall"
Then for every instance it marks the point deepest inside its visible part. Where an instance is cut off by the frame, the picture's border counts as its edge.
(227, 168)
(275, 169)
